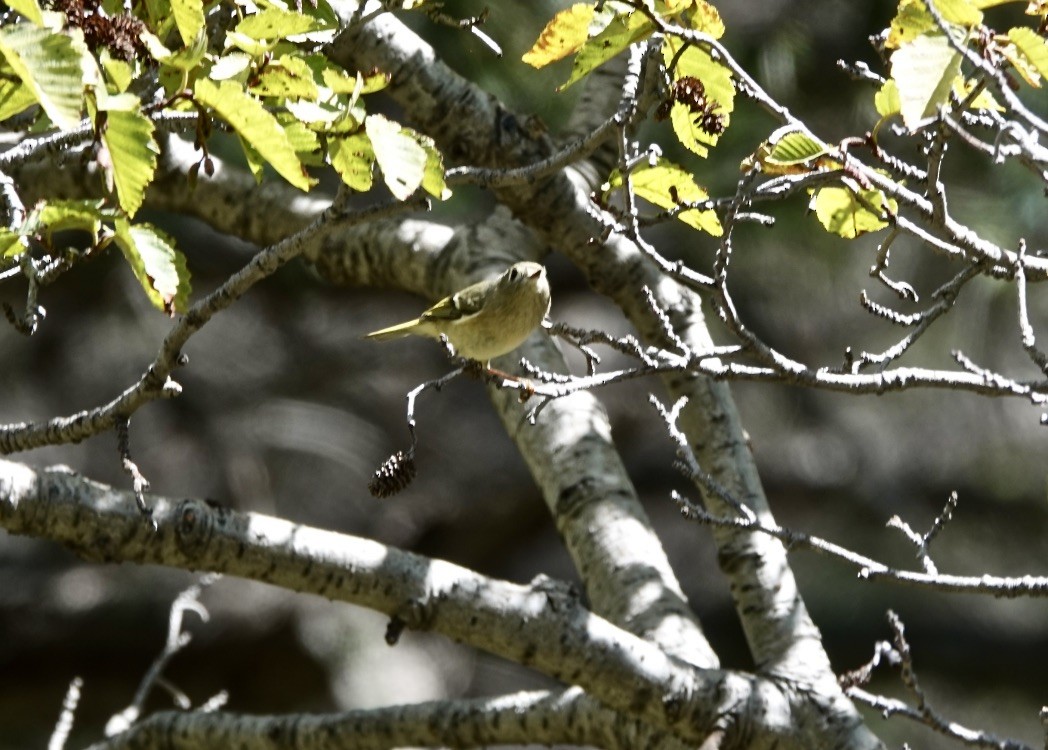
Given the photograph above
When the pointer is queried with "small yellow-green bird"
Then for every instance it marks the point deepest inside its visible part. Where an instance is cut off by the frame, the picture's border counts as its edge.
(486, 319)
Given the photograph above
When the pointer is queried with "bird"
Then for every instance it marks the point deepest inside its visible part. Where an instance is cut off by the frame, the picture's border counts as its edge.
(487, 319)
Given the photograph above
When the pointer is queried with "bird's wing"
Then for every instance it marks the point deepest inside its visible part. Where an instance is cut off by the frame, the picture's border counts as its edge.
(460, 305)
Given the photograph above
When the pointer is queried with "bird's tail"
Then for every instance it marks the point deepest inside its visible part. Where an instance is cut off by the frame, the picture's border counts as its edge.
(393, 332)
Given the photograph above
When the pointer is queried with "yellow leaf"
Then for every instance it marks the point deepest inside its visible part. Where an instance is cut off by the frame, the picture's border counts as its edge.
(668, 186)
(706, 19)
(1032, 47)
(564, 34)
(840, 211)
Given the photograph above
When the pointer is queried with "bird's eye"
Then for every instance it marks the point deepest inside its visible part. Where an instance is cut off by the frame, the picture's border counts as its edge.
(514, 274)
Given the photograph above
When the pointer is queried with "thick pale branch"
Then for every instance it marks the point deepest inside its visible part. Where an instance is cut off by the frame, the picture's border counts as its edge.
(566, 717)
(543, 626)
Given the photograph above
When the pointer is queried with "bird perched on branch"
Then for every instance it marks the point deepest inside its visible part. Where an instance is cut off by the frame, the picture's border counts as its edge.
(486, 319)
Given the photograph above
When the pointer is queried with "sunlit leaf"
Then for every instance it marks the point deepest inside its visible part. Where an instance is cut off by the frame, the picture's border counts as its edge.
(28, 8)
(716, 79)
(286, 76)
(924, 71)
(841, 212)
(705, 18)
(159, 267)
(400, 157)
(274, 23)
(246, 115)
(623, 30)
(50, 65)
(564, 34)
(15, 97)
(354, 160)
(189, 18)
(128, 136)
(886, 100)
(1032, 46)
(913, 19)
(668, 186)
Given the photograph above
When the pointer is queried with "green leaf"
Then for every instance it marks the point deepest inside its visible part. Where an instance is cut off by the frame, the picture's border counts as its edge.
(433, 175)
(841, 212)
(12, 244)
(128, 136)
(274, 23)
(302, 139)
(886, 100)
(565, 33)
(15, 97)
(189, 18)
(159, 267)
(354, 160)
(28, 8)
(49, 64)
(340, 82)
(623, 30)
(913, 19)
(1032, 46)
(255, 125)
(74, 215)
(793, 148)
(668, 186)
(716, 80)
(286, 77)
(705, 18)
(924, 71)
(118, 74)
(400, 156)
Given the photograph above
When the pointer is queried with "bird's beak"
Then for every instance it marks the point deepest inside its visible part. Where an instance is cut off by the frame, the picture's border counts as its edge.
(536, 274)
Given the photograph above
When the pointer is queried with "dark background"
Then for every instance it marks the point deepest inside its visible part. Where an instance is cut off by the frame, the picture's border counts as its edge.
(286, 411)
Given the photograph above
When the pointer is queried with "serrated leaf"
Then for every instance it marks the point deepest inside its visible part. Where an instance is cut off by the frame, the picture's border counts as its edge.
(717, 82)
(254, 124)
(50, 65)
(924, 71)
(668, 186)
(118, 74)
(796, 147)
(78, 215)
(28, 8)
(842, 213)
(354, 160)
(913, 19)
(565, 33)
(288, 77)
(886, 100)
(253, 47)
(159, 267)
(189, 18)
(274, 23)
(623, 30)
(340, 82)
(15, 97)
(302, 139)
(256, 165)
(1032, 46)
(705, 18)
(128, 136)
(433, 175)
(399, 155)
